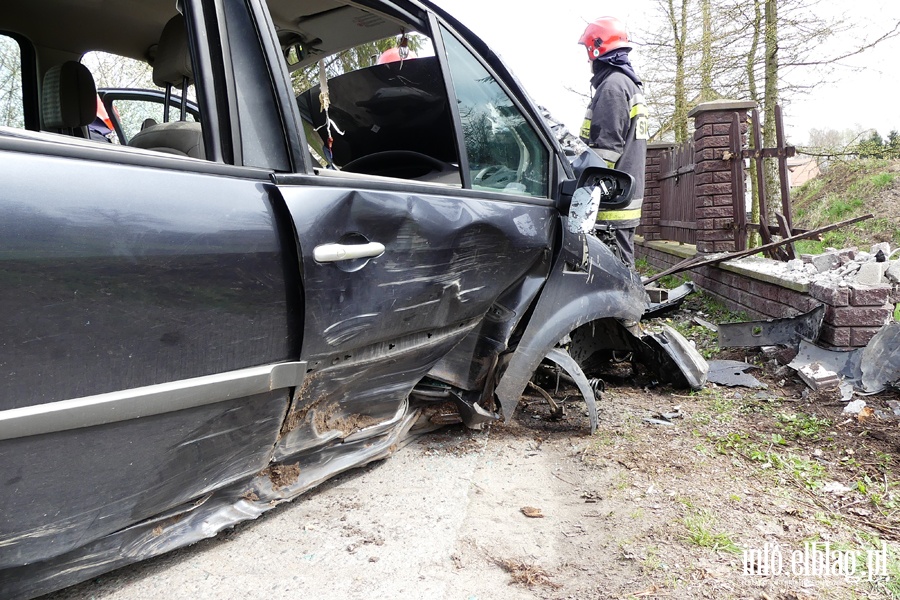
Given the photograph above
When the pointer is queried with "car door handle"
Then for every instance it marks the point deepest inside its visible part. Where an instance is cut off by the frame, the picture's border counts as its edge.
(338, 252)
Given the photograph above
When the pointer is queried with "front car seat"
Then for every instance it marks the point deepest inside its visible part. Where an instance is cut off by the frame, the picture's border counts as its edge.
(68, 99)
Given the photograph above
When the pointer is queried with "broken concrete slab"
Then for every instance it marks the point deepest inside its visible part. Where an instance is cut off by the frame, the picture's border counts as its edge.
(892, 272)
(854, 408)
(870, 273)
(733, 373)
(817, 377)
(826, 262)
(783, 332)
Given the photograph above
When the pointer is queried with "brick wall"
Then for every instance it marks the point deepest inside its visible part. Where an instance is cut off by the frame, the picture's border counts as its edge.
(714, 192)
(852, 314)
(650, 212)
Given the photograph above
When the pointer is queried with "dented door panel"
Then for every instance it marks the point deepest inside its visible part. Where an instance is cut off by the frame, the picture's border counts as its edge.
(446, 260)
(375, 326)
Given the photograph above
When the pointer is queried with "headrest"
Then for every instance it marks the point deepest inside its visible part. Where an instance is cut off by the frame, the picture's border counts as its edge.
(69, 97)
(173, 56)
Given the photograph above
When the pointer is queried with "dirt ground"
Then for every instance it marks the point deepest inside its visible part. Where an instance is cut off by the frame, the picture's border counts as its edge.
(692, 506)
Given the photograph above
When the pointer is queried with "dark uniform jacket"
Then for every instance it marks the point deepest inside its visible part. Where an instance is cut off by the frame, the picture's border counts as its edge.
(616, 127)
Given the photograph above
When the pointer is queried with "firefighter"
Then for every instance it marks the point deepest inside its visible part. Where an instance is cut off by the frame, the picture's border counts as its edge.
(615, 125)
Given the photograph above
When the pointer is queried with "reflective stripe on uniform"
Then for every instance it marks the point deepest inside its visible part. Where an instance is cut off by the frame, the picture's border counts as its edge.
(619, 215)
(638, 107)
(586, 125)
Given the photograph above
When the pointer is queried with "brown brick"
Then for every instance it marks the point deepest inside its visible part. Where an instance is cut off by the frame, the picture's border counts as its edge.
(712, 165)
(722, 142)
(856, 316)
(860, 336)
(725, 223)
(830, 295)
(722, 129)
(836, 336)
(714, 212)
(712, 189)
(723, 200)
(713, 118)
(712, 154)
(724, 246)
(864, 295)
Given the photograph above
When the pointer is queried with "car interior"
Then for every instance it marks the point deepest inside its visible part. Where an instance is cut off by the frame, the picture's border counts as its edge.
(362, 113)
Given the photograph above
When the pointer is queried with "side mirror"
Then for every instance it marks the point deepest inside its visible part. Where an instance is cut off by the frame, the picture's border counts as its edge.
(596, 188)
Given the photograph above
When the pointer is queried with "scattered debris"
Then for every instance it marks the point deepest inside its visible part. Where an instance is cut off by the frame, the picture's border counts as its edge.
(733, 373)
(665, 418)
(525, 574)
(706, 324)
(870, 369)
(866, 413)
(663, 300)
(833, 487)
(817, 377)
(531, 512)
(854, 408)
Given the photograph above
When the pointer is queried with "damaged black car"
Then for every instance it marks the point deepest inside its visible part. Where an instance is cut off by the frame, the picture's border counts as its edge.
(247, 245)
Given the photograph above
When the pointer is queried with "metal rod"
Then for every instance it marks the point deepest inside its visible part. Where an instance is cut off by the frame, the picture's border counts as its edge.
(692, 263)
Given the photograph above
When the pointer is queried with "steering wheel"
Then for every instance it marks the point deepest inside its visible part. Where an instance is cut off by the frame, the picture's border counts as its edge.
(403, 164)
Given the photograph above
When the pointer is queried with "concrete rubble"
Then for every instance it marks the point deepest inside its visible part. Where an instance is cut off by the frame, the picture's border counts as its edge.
(880, 266)
(865, 370)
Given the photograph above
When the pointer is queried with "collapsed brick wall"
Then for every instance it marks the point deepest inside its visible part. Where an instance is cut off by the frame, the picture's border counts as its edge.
(853, 314)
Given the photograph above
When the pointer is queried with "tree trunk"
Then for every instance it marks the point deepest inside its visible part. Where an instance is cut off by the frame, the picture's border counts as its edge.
(753, 239)
(771, 99)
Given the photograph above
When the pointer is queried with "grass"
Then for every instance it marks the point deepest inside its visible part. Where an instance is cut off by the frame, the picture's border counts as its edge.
(845, 190)
(700, 532)
(803, 426)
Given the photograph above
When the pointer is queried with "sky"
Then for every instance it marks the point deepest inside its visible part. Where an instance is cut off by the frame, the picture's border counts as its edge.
(541, 48)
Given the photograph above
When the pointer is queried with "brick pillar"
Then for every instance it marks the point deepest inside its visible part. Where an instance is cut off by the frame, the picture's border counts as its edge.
(712, 172)
(650, 214)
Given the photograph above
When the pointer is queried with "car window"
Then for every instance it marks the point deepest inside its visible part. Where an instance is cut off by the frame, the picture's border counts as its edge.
(11, 99)
(371, 95)
(505, 153)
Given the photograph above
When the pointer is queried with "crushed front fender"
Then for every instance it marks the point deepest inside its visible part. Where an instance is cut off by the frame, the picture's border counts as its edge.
(587, 283)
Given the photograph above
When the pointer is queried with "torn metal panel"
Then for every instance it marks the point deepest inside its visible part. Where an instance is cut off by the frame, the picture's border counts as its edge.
(788, 331)
(677, 361)
(666, 353)
(733, 373)
(568, 364)
(880, 360)
(200, 518)
(845, 364)
(668, 301)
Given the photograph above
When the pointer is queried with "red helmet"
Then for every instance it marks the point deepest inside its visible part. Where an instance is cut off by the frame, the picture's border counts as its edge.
(603, 35)
(394, 55)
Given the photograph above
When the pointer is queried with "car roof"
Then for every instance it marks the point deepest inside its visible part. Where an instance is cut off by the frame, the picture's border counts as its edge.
(67, 29)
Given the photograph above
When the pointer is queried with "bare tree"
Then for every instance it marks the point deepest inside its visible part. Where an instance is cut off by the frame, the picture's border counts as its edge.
(10, 83)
